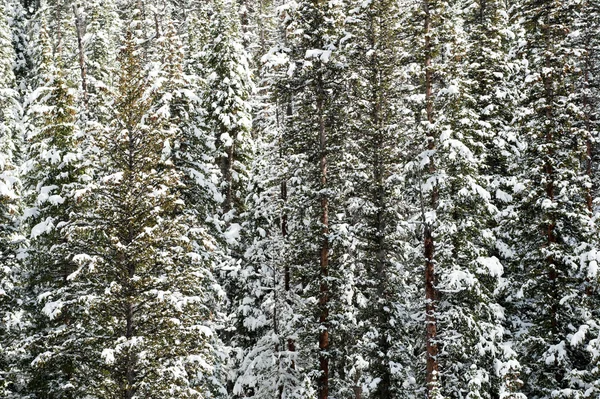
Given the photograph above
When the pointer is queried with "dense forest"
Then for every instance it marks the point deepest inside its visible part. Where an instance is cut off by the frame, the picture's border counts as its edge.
(299, 199)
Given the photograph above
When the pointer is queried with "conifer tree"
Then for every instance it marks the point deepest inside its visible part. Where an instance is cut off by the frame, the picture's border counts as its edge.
(52, 174)
(463, 321)
(311, 142)
(228, 111)
(377, 359)
(145, 273)
(98, 24)
(10, 207)
(551, 264)
(228, 119)
(493, 70)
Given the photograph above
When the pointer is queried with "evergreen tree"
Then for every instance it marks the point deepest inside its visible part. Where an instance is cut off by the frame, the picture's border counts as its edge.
(10, 207)
(377, 323)
(228, 111)
(555, 315)
(311, 144)
(145, 263)
(52, 174)
(463, 320)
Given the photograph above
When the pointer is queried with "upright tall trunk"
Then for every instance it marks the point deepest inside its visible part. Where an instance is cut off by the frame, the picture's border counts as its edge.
(324, 260)
(131, 362)
(586, 106)
(226, 169)
(82, 66)
(378, 164)
(589, 289)
(549, 172)
(428, 242)
(291, 346)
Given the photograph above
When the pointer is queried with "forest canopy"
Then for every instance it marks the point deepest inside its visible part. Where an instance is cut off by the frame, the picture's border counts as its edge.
(299, 199)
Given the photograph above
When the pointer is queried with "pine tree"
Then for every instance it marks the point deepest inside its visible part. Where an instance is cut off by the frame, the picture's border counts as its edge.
(145, 263)
(493, 71)
(463, 321)
(376, 321)
(52, 173)
(262, 356)
(555, 314)
(228, 112)
(265, 354)
(311, 144)
(97, 24)
(10, 207)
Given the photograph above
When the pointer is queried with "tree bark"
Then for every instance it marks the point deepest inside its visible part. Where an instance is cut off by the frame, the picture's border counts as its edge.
(82, 66)
(549, 173)
(324, 258)
(589, 289)
(432, 367)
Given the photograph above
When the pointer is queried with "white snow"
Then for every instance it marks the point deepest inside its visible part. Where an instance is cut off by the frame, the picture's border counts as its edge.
(503, 196)
(492, 264)
(556, 354)
(226, 139)
(6, 190)
(41, 228)
(108, 355)
(53, 309)
(323, 55)
(56, 199)
(592, 269)
(232, 234)
(577, 338)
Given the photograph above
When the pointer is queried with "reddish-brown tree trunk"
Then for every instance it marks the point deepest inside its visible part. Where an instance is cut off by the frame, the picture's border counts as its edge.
(549, 175)
(432, 367)
(589, 290)
(324, 258)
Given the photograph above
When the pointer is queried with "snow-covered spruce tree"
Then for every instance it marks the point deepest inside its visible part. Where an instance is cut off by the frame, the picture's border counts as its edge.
(228, 118)
(554, 231)
(311, 145)
(145, 262)
(264, 354)
(195, 36)
(257, 21)
(228, 85)
(463, 322)
(588, 21)
(194, 145)
(19, 22)
(379, 362)
(265, 333)
(10, 207)
(52, 173)
(97, 34)
(492, 68)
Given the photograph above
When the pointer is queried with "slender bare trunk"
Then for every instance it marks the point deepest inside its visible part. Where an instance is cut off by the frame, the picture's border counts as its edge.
(82, 66)
(432, 367)
(549, 172)
(589, 289)
(324, 260)
(586, 107)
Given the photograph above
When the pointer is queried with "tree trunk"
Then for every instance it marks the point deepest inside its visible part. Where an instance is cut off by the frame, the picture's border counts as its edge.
(589, 289)
(588, 117)
(432, 366)
(82, 66)
(324, 260)
(226, 165)
(378, 197)
(549, 172)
